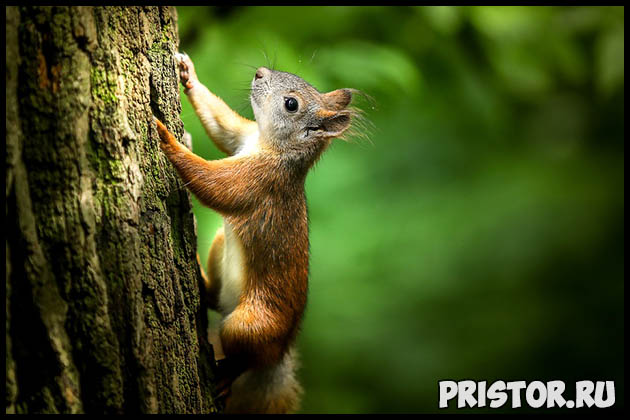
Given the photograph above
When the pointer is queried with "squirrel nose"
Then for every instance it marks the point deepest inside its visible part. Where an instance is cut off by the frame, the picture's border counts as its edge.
(261, 72)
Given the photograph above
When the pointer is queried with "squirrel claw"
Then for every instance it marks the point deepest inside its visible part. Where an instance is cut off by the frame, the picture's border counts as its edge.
(226, 374)
(165, 136)
(223, 391)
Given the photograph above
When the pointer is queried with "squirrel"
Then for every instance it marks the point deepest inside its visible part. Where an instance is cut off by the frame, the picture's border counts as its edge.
(258, 264)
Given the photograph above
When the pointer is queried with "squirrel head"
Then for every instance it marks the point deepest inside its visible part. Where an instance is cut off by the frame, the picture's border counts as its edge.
(294, 117)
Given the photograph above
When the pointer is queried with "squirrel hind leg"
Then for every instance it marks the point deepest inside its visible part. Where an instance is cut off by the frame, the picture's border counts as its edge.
(270, 390)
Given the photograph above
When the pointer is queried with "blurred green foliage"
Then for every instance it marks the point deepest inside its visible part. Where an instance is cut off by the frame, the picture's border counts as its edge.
(479, 233)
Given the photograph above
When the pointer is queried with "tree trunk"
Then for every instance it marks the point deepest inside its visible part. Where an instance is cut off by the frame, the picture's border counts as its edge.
(102, 284)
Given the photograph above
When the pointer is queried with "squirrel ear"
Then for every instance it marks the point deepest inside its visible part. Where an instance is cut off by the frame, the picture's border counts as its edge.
(337, 99)
(336, 124)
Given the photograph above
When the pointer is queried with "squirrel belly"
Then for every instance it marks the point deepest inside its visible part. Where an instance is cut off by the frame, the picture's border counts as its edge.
(232, 263)
(232, 272)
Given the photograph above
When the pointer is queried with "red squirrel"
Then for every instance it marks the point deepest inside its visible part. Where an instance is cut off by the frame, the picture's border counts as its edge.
(259, 260)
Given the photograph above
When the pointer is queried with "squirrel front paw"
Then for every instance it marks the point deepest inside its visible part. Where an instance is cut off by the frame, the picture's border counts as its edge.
(166, 138)
(187, 73)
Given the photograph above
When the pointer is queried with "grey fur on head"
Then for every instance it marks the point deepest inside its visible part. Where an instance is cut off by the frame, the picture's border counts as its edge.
(318, 117)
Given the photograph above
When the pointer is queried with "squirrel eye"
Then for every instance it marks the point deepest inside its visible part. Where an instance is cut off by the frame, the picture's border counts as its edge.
(291, 104)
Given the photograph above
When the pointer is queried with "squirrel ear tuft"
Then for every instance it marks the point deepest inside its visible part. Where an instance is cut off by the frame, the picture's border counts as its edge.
(337, 99)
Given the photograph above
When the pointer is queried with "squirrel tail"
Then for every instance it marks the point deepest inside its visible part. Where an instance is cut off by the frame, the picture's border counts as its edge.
(268, 390)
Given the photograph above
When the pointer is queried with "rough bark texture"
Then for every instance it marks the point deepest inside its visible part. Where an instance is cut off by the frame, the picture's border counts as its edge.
(102, 285)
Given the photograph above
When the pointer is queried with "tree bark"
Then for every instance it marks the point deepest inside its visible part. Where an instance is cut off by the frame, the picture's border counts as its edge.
(103, 310)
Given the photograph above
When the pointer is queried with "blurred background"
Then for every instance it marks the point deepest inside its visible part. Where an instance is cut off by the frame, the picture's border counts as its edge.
(478, 234)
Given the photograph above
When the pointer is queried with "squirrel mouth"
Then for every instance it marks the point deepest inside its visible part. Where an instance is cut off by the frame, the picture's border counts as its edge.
(256, 93)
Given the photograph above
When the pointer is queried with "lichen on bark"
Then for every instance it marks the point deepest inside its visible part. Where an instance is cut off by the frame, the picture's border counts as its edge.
(103, 307)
